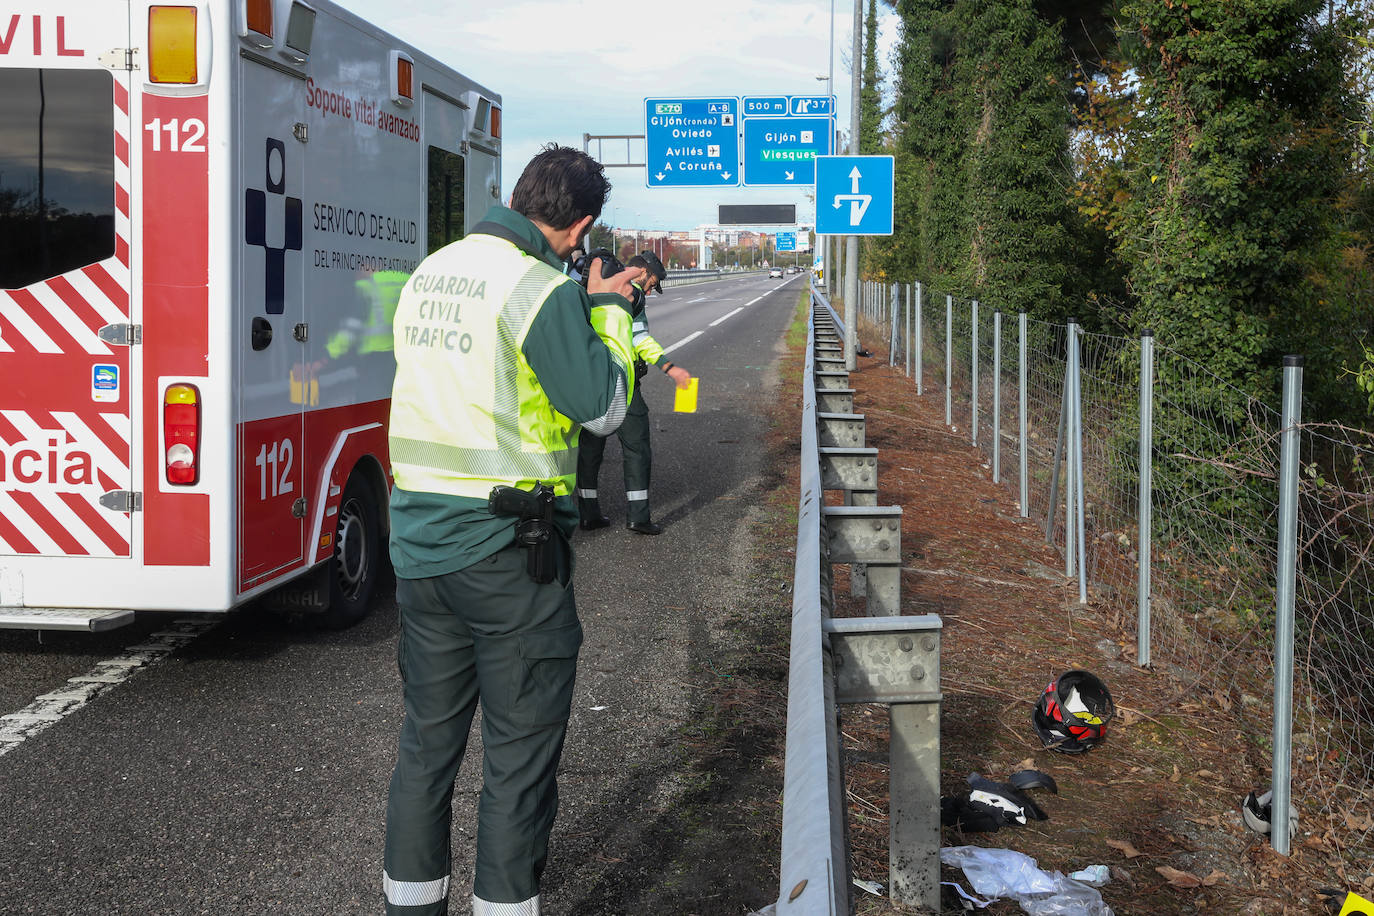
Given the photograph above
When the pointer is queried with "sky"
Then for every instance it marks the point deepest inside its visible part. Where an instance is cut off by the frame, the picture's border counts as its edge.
(564, 70)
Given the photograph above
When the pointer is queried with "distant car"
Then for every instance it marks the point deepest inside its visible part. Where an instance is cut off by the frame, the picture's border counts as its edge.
(794, 269)
(775, 272)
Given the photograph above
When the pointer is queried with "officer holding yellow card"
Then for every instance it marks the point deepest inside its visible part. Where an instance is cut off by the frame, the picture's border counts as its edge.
(634, 431)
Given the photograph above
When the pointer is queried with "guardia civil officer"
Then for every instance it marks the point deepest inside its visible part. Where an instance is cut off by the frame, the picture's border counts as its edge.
(634, 432)
(500, 358)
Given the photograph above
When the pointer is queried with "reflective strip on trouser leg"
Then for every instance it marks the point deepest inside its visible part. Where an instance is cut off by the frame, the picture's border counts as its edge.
(438, 668)
(413, 893)
(528, 907)
(634, 443)
(524, 642)
(589, 451)
(586, 494)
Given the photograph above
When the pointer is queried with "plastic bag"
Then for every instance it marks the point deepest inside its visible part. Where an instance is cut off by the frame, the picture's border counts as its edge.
(1005, 873)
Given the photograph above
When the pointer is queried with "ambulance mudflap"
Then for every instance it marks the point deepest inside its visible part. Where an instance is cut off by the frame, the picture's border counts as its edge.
(66, 407)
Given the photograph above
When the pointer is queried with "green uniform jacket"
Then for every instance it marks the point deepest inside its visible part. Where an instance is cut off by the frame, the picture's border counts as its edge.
(434, 533)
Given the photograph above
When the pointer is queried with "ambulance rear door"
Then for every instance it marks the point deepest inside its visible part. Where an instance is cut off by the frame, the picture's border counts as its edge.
(67, 328)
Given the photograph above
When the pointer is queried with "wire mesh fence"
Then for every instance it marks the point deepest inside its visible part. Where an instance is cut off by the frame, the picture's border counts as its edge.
(1208, 605)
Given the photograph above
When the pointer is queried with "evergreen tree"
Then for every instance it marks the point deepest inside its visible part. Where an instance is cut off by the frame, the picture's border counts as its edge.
(1243, 140)
(870, 92)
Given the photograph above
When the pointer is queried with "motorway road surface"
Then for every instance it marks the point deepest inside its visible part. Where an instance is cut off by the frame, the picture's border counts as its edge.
(246, 772)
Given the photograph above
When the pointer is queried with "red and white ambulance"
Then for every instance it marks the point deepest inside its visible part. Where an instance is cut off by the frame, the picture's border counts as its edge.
(207, 208)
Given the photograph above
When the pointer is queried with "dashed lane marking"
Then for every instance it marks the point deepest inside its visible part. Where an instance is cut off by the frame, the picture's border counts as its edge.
(728, 315)
(48, 709)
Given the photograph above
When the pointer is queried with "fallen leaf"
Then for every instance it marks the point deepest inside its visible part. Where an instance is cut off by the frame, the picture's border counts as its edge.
(1027, 764)
(1126, 848)
(797, 890)
(1174, 778)
(1204, 774)
(1179, 878)
(1357, 823)
(1214, 877)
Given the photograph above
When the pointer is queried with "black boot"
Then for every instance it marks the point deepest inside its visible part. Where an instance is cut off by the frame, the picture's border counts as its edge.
(590, 511)
(645, 527)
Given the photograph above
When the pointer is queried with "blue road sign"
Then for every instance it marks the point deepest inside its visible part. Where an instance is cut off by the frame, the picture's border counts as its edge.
(854, 195)
(811, 105)
(764, 105)
(787, 241)
(782, 151)
(691, 143)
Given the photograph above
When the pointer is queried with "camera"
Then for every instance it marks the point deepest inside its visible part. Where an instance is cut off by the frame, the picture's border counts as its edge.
(610, 266)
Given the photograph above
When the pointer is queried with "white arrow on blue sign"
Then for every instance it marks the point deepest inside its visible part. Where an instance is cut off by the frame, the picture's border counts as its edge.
(787, 241)
(691, 142)
(854, 195)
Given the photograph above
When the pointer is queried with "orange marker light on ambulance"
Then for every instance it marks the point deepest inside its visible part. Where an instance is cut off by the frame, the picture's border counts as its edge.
(172, 44)
(181, 433)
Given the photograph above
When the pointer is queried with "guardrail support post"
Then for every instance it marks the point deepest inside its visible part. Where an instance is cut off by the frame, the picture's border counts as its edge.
(896, 660)
(872, 536)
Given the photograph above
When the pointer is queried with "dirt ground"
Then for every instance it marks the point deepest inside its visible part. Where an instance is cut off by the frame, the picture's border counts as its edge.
(1157, 802)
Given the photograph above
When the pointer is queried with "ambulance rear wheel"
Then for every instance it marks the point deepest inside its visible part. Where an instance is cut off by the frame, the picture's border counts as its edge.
(357, 561)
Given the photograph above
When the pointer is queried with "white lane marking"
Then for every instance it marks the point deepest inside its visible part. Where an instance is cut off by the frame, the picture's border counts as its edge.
(50, 708)
(688, 339)
(725, 316)
(694, 301)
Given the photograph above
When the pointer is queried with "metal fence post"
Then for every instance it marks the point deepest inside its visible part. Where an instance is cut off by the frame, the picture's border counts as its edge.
(1021, 413)
(1289, 456)
(919, 340)
(1143, 537)
(974, 371)
(1066, 412)
(949, 360)
(892, 334)
(997, 396)
(1076, 405)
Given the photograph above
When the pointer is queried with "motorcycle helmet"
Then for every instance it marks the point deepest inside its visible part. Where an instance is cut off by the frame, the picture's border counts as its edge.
(1071, 716)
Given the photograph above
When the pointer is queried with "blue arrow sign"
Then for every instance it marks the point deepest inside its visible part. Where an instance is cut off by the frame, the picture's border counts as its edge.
(787, 241)
(782, 151)
(811, 105)
(691, 142)
(854, 195)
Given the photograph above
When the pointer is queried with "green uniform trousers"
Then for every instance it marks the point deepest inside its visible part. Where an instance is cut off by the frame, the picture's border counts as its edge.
(634, 444)
(488, 633)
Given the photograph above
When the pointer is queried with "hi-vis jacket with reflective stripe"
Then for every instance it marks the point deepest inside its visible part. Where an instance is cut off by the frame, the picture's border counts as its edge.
(646, 348)
(498, 362)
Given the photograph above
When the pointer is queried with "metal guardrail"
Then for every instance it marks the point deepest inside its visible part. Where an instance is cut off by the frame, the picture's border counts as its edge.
(882, 658)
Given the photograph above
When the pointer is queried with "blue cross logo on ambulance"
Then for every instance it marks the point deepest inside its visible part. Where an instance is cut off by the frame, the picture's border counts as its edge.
(255, 225)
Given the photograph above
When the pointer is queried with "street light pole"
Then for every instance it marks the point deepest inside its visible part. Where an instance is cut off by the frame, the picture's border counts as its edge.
(851, 261)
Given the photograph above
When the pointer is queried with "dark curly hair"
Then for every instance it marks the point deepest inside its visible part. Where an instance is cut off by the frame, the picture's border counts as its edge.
(560, 186)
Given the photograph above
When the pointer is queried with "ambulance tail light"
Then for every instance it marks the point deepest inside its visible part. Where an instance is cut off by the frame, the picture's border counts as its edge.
(495, 122)
(172, 44)
(181, 434)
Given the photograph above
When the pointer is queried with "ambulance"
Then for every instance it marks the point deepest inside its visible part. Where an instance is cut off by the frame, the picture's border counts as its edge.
(207, 211)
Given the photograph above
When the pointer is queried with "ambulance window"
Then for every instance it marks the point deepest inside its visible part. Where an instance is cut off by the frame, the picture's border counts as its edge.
(57, 185)
(445, 198)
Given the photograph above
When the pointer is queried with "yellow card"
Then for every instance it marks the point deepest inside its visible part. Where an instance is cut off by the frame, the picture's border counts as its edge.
(685, 400)
(1355, 905)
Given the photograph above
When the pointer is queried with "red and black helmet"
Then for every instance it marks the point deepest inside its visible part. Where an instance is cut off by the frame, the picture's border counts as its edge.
(1071, 716)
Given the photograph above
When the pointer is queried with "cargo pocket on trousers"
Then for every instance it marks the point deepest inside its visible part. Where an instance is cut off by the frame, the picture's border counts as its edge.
(549, 663)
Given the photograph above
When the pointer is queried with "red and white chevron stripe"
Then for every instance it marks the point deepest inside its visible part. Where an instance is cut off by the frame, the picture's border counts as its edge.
(64, 462)
(57, 461)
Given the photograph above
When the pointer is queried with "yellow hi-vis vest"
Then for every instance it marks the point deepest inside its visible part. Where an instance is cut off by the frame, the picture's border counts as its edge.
(467, 411)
